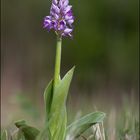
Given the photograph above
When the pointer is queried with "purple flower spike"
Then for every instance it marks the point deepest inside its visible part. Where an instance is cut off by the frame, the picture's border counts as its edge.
(61, 18)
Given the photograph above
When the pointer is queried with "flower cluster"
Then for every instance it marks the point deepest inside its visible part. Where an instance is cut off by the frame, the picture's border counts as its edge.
(60, 18)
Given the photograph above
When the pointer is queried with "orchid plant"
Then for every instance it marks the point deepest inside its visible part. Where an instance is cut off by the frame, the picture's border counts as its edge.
(60, 20)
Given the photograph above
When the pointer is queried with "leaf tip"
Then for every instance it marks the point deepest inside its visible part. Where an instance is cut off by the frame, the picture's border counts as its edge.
(20, 123)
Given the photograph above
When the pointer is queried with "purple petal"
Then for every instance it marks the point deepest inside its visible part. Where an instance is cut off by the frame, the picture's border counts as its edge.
(54, 24)
(69, 13)
(47, 17)
(55, 2)
(55, 8)
(70, 21)
(60, 3)
(66, 2)
(56, 16)
(67, 17)
(67, 9)
(47, 22)
(62, 25)
(67, 31)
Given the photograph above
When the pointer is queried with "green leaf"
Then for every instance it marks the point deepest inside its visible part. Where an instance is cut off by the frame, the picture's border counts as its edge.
(80, 126)
(4, 135)
(58, 107)
(29, 132)
(55, 103)
(48, 96)
(61, 131)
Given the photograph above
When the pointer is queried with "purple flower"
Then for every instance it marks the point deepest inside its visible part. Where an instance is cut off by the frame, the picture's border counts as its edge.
(61, 18)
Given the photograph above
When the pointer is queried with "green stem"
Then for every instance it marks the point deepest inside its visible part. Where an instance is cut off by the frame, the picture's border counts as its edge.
(57, 61)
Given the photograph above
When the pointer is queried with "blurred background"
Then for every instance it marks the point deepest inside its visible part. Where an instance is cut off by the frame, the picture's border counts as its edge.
(104, 49)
